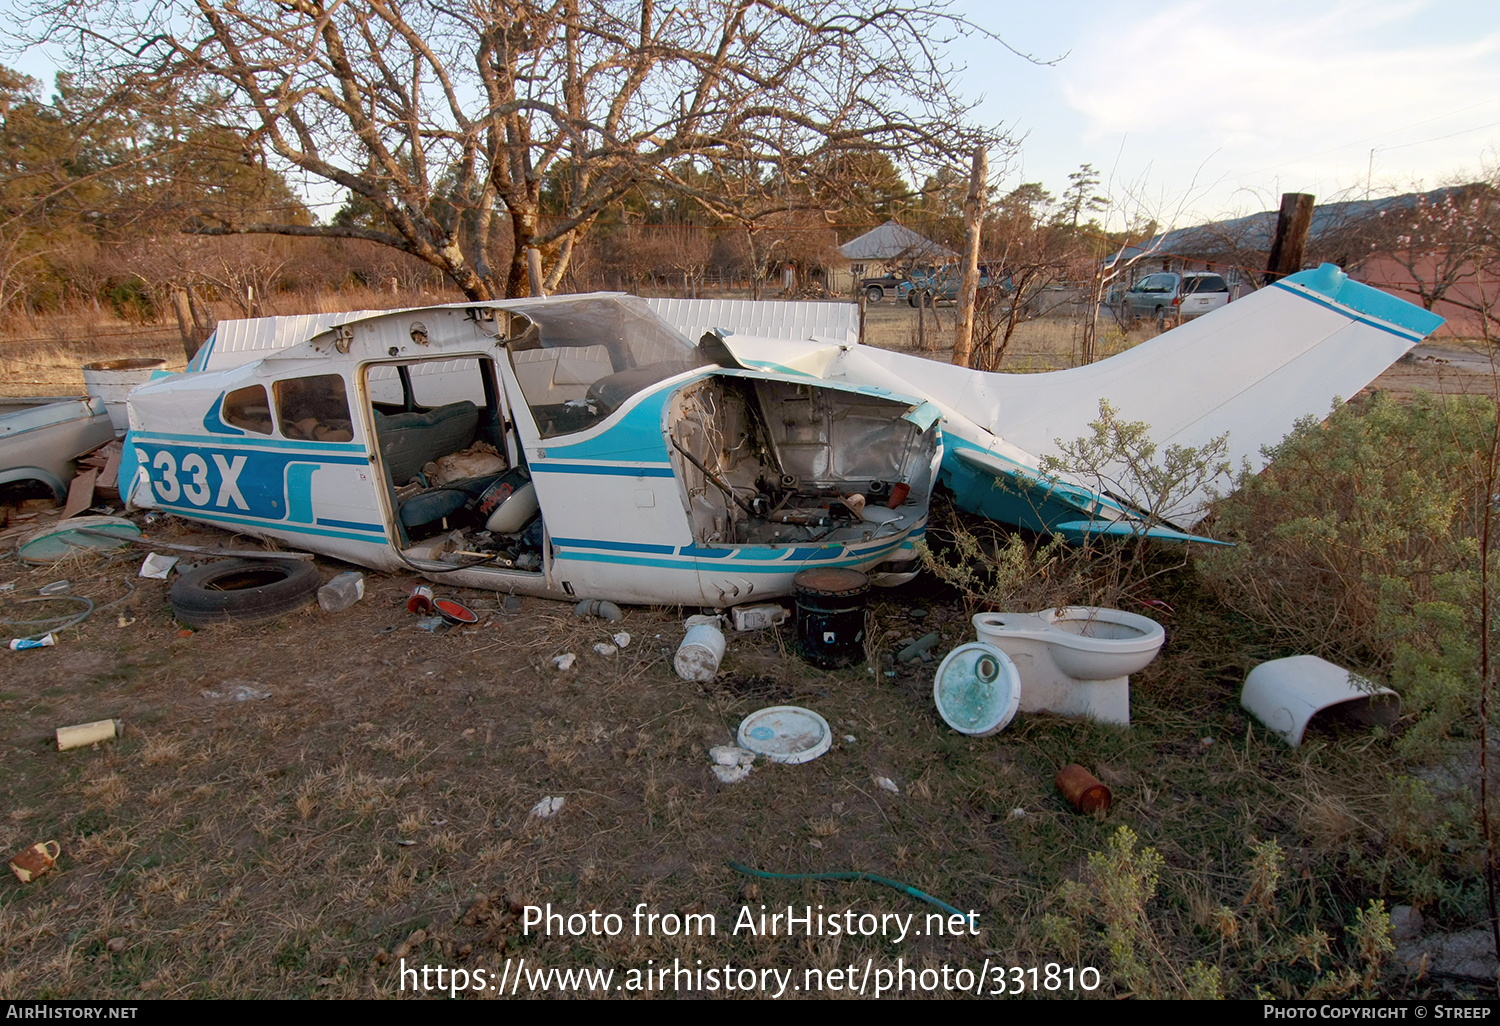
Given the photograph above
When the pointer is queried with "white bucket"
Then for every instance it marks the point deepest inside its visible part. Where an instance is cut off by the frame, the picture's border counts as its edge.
(699, 654)
(112, 380)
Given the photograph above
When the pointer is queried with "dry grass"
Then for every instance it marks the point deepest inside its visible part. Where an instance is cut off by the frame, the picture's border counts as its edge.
(289, 846)
(379, 801)
(42, 355)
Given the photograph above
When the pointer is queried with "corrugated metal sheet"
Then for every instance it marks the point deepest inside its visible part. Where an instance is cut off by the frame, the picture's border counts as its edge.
(781, 319)
(236, 343)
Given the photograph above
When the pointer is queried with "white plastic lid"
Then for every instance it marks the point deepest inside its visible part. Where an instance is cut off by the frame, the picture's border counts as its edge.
(977, 689)
(785, 733)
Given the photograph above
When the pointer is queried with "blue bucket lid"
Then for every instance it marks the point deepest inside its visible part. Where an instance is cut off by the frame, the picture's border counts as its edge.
(977, 689)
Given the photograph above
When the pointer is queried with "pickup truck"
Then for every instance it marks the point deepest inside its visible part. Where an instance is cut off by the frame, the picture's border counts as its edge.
(942, 283)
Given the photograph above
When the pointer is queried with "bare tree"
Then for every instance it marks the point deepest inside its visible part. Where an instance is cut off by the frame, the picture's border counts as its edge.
(447, 123)
(1445, 242)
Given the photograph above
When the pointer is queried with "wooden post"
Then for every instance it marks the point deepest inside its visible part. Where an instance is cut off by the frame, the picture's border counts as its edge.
(1291, 236)
(963, 332)
(534, 269)
(863, 306)
(921, 321)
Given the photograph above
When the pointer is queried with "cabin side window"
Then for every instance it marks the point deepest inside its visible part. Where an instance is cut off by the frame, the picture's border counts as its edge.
(315, 408)
(248, 408)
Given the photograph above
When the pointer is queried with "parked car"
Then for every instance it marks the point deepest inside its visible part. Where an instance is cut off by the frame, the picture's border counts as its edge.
(876, 289)
(1173, 296)
(943, 283)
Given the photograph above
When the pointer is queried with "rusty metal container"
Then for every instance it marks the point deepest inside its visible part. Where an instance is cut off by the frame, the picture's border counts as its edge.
(1083, 790)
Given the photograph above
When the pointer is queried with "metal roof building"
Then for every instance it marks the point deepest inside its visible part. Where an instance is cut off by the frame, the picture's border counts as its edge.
(892, 241)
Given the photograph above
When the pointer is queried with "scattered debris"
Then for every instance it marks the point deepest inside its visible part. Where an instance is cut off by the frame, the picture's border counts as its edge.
(80, 493)
(82, 734)
(731, 764)
(699, 654)
(621, 639)
(918, 648)
(1288, 695)
(455, 612)
(565, 661)
(600, 608)
(60, 540)
(759, 616)
(157, 567)
(977, 689)
(1083, 790)
(604, 649)
(1018, 813)
(214, 551)
(731, 774)
(886, 784)
(55, 588)
(21, 644)
(243, 591)
(850, 739)
(236, 693)
(512, 603)
(341, 592)
(420, 600)
(548, 807)
(831, 616)
(51, 624)
(431, 623)
(36, 860)
(785, 733)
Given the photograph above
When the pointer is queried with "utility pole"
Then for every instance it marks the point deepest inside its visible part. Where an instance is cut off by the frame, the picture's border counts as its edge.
(1291, 236)
(963, 333)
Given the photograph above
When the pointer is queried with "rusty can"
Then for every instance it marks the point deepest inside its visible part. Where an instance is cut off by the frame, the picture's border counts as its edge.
(1083, 790)
(420, 601)
(35, 861)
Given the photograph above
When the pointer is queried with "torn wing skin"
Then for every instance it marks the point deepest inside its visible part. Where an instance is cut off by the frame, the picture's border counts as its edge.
(574, 447)
(1249, 371)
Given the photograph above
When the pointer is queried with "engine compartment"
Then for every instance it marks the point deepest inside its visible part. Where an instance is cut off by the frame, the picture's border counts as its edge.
(766, 462)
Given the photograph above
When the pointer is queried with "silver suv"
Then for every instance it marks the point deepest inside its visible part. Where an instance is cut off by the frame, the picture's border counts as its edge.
(1169, 296)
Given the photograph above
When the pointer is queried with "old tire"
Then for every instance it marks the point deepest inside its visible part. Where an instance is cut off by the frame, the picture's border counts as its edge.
(874, 294)
(243, 591)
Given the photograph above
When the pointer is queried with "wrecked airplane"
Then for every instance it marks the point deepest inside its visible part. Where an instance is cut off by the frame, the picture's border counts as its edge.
(1248, 371)
(581, 446)
(576, 446)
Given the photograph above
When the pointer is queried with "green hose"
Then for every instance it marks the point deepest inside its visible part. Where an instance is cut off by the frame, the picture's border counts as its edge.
(887, 881)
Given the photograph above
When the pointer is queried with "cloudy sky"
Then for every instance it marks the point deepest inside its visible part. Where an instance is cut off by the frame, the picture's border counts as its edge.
(1200, 109)
(1193, 110)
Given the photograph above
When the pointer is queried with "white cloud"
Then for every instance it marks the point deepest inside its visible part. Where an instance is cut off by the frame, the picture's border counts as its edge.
(1288, 91)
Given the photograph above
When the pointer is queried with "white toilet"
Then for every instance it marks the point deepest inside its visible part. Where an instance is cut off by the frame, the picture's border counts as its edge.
(1075, 661)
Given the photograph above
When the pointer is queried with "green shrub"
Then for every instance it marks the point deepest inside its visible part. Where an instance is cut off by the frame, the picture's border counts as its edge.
(1361, 542)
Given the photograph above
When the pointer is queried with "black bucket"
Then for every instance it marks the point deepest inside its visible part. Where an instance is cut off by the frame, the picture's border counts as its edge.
(831, 616)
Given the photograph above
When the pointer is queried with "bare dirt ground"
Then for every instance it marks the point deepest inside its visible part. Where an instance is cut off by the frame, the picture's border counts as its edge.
(296, 808)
